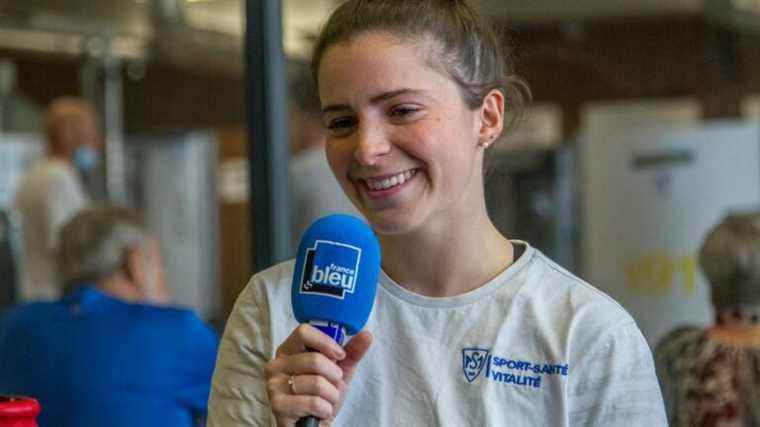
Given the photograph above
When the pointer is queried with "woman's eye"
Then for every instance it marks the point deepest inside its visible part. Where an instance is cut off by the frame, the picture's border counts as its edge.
(340, 124)
(403, 111)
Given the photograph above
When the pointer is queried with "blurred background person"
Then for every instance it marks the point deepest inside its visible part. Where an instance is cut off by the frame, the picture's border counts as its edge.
(710, 376)
(315, 191)
(111, 352)
(52, 191)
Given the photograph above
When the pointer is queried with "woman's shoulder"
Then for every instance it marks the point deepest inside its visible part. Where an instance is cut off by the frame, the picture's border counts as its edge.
(271, 283)
(276, 273)
(554, 286)
(575, 315)
(263, 307)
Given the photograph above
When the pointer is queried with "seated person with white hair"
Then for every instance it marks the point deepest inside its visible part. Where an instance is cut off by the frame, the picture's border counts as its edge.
(711, 376)
(111, 352)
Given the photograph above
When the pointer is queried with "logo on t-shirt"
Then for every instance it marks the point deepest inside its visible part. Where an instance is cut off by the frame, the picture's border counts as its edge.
(330, 269)
(473, 360)
(508, 370)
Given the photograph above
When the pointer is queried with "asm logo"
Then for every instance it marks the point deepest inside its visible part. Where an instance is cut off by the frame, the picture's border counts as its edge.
(473, 361)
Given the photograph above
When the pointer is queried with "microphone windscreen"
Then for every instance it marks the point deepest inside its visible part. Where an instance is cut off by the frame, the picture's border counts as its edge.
(335, 277)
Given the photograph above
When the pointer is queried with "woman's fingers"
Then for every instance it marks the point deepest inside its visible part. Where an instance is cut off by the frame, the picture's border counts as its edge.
(311, 363)
(306, 337)
(310, 372)
(355, 351)
(297, 396)
(311, 385)
(298, 406)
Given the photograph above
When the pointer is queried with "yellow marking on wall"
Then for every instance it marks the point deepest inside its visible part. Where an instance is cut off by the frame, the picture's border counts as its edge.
(656, 273)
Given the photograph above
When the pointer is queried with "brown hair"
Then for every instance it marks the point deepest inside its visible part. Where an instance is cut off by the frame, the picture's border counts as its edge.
(465, 48)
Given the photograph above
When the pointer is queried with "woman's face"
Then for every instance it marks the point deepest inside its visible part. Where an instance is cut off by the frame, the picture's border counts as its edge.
(401, 142)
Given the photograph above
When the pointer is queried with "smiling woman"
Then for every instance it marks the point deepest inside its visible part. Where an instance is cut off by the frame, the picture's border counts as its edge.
(411, 122)
(413, 92)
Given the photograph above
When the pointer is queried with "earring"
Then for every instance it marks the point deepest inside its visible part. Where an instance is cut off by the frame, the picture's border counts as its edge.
(487, 142)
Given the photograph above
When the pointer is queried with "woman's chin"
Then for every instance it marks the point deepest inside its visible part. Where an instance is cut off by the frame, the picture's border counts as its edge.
(386, 224)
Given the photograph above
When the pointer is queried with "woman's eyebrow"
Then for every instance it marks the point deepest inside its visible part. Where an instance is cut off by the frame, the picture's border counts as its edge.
(375, 99)
(393, 93)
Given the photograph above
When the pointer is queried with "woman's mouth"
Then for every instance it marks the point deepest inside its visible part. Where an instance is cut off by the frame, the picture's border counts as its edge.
(388, 182)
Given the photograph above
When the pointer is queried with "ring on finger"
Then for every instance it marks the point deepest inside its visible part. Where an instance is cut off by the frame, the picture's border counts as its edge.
(292, 384)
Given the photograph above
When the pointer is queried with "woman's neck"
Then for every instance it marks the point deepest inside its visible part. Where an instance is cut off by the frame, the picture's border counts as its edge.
(449, 261)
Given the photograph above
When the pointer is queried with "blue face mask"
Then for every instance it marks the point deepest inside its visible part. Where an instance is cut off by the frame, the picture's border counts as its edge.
(85, 158)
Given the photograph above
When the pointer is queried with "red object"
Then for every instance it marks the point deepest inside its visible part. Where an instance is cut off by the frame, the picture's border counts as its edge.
(18, 411)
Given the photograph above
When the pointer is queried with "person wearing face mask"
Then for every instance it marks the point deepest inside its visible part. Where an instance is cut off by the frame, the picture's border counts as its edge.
(111, 352)
(52, 191)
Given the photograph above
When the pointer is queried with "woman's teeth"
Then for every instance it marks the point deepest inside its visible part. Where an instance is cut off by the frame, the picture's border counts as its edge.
(386, 183)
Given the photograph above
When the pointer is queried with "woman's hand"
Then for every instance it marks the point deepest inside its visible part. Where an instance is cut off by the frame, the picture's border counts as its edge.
(310, 374)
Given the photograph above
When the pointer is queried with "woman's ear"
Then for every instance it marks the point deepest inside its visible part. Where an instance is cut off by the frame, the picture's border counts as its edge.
(491, 117)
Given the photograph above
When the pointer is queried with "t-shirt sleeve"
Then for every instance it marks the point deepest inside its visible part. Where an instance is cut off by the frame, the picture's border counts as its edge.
(65, 200)
(614, 383)
(238, 389)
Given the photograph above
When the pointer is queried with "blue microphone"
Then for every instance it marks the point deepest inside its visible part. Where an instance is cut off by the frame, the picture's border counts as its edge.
(335, 278)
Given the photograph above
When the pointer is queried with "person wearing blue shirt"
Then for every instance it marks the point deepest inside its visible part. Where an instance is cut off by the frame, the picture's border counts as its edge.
(111, 352)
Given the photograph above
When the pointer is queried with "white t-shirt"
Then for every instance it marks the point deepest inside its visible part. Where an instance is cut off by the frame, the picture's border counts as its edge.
(536, 346)
(49, 194)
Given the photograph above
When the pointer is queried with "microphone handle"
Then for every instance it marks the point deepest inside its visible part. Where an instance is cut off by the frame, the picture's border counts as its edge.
(338, 334)
(308, 421)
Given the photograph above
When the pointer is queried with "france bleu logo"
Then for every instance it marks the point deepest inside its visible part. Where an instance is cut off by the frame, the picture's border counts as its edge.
(330, 269)
(473, 360)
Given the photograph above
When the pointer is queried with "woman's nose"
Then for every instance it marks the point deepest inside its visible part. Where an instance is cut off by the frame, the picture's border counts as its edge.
(371, 145)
